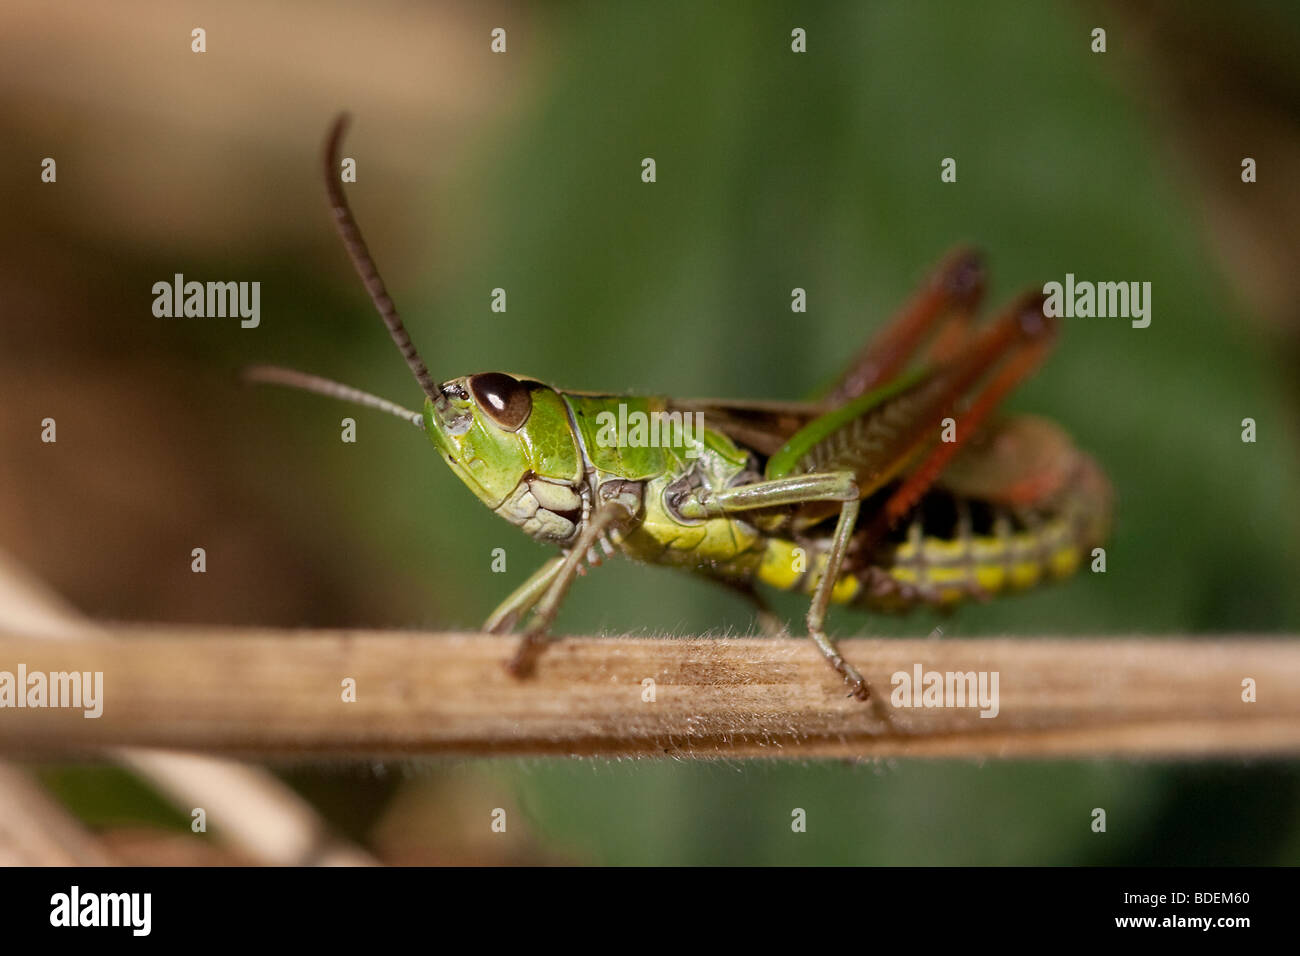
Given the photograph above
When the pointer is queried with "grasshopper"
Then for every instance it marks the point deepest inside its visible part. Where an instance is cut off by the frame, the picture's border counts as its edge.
(896, 488)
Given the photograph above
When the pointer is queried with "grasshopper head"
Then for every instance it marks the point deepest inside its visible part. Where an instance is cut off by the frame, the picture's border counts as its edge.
(510, 441)
(477, 430)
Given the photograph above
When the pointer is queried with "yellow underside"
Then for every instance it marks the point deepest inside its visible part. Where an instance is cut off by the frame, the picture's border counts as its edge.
(950, 569)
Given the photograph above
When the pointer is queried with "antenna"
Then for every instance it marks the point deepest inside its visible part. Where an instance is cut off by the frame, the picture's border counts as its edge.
(359, 253)
(274, 375)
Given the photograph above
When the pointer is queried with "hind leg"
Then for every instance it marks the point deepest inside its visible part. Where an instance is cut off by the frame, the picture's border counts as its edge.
(952, 292)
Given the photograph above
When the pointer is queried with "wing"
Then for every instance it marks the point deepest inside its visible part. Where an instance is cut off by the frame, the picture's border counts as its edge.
(874, 436)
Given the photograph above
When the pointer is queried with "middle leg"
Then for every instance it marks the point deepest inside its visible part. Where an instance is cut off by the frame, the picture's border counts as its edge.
(793, 491)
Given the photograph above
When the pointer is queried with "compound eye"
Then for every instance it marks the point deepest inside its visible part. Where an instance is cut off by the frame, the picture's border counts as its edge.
(505, 400)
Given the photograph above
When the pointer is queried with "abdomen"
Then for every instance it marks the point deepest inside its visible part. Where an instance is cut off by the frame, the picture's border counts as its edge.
(953, 548)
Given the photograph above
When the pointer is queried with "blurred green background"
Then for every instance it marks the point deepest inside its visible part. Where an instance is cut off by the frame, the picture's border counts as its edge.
(775, 170)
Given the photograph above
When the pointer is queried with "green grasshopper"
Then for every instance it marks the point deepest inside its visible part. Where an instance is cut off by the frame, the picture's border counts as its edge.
(895, 489)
